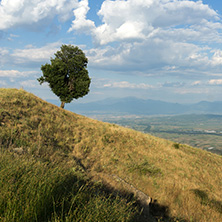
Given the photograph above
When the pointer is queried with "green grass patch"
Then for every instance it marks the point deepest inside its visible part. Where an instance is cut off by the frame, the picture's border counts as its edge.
(38, 191)
(143, 167)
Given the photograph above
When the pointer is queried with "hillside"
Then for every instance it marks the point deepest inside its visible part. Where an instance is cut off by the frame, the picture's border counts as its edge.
(186, 182)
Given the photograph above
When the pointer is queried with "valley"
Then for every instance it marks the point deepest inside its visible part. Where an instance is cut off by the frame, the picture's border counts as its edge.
(203, 131)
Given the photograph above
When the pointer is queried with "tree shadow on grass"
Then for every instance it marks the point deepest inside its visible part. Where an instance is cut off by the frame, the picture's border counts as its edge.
(74, 193)
(157, 212)
(205, 200)
(151, 212)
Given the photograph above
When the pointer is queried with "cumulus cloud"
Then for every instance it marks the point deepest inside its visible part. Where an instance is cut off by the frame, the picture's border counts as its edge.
(215, 82)
(25, 12)
(33, 54)
(29, 55)
(169, 36)
(29, 83)
(81, 23)
(133, 19)
(150, 55)
(196, 83)
(15, 73)
(217, 57)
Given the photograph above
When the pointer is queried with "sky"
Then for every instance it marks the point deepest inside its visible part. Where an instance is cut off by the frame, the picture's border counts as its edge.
(168, 50)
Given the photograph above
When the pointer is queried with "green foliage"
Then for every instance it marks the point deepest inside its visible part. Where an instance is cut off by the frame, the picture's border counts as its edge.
(176, 145)
(35, 191)
(108, 139)
(67, 74)
(143, 167)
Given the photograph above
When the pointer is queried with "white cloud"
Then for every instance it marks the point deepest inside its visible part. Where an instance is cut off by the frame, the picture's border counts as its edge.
(173, 13)
(107, 57)
(15, 73)
(29, 83)
(154, 53)
(196, 83)
(215, 82)
(133, 19)
(217, 57)
(126, 84)
(3, 52)
(164, 35)
(81, 23)
(25, 12)
(33, 54)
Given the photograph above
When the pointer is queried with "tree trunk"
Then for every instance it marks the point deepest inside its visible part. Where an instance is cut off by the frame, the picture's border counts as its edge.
(62, 105)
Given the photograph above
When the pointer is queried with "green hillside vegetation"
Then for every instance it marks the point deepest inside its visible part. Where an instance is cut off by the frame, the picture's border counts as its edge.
(59, 166)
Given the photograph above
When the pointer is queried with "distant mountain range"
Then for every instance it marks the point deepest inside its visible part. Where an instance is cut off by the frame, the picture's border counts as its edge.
(135, 106)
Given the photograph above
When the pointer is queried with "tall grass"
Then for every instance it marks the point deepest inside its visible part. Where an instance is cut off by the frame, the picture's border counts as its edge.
(31, 190)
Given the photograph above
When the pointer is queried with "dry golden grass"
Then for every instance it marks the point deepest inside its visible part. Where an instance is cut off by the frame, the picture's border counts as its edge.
(186, 180)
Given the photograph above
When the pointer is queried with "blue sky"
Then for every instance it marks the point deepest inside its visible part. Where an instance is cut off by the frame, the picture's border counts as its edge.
(169, 50)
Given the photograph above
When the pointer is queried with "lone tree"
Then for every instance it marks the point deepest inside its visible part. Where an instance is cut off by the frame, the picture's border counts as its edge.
(67, 74)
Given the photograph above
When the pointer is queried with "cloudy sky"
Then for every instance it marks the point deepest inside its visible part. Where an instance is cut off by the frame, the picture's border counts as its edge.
(170, 50)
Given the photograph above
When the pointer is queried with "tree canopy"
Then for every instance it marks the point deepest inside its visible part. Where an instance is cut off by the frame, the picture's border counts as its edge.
(67, 74)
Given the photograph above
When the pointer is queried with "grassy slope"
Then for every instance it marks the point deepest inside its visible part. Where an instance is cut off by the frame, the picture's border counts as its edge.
(186, 180)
